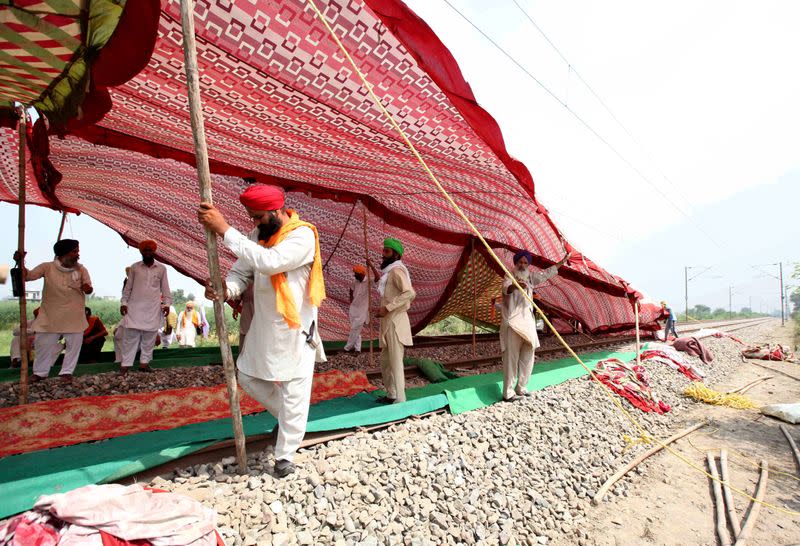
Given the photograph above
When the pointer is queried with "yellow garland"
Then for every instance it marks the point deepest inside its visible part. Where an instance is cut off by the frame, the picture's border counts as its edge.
(699, 391)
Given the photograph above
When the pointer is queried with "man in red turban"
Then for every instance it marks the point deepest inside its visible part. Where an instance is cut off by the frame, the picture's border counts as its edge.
(280, 258)
(359, 307)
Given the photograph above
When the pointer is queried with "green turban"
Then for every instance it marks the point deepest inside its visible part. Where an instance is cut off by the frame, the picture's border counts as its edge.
(394, 244)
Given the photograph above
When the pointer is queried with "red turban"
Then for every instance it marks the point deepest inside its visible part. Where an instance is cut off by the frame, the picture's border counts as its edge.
(360, 269)
(262, 197)
(148, 245)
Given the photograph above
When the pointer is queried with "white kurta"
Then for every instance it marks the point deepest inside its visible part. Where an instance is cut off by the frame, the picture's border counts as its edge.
(186, 333)
(275, 352)
(62, 309)
(145, 292)
(517, 312)
(359, 307)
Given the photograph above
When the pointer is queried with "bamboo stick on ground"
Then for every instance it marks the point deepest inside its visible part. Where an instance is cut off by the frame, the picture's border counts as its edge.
(634, 463)
(719, 505)
(744, 388)
(733, 517)
(793, 446)
(755, 507)
(23, 304)
(204, 178)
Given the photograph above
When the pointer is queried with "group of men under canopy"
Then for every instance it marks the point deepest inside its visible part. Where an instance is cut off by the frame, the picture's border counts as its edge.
(276, 286)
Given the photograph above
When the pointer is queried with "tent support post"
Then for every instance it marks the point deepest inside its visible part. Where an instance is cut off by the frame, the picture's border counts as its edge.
(474, 295)
(204, 178)
(369, 285)
(61, 227)
(636, 310)
(23, 304)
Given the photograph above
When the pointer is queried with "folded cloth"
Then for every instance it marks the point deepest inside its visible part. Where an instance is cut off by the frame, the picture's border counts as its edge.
(672, 358)
(767, 352)
(113, 515)
(692, 346)
(631, 382)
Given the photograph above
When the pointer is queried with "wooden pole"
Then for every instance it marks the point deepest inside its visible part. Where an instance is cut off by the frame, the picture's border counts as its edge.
(793, 446)
(369, 285)
(719, 505)
(726, 493)
(474, 295)
(634, 463)
(23, 303)
(755, 506)
(204, 178)
(638, 355)
(61, 227)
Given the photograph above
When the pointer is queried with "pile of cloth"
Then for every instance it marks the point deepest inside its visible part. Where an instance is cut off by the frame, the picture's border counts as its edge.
(106, 515)
(668, 355)
(767, 352)
(630, 381)
(692, 346)
(729, 336)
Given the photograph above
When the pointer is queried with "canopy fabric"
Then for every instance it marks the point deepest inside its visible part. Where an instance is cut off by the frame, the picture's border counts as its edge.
(282, 106)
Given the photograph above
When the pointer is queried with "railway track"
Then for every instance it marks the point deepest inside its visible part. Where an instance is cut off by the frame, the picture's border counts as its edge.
(259, 442)
(543, 354)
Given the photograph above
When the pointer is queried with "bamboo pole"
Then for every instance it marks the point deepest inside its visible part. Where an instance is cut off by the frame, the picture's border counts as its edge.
(638, 354)
(719, 505)
(474, 295)
(23, 303)
(744, 388)
(634, 463)
(369, 286)
(792, 445)
(61, 227)
(204, 178)
(733, 517)
(755, 506)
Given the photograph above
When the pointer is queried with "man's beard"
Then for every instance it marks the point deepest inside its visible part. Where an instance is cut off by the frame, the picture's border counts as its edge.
(68, 262)
(387, 261)
(266, 231)
(148, 260)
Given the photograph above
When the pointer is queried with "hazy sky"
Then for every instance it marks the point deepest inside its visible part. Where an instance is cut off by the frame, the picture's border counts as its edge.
(707, 89)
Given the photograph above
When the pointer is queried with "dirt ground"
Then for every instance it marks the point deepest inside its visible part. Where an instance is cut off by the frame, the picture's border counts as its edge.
(671, 503)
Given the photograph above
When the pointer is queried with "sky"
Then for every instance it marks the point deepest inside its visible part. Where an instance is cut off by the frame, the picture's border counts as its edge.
(700, 168)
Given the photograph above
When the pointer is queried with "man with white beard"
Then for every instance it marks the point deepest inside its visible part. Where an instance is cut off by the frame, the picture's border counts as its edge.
(519, 329)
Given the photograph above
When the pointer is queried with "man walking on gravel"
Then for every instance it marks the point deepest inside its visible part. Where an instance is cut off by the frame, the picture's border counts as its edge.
(62, 313)
(281, 258)
(519, 338)
(145, 302)
(397, 294)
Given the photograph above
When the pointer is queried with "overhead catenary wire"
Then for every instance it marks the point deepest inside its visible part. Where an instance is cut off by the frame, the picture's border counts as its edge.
(572, 70)
(586, 124)
(644, 435)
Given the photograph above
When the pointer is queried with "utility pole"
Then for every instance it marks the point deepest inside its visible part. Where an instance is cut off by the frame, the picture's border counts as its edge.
(750, 307)
(783, 295)
(730, 302)
(686, 291)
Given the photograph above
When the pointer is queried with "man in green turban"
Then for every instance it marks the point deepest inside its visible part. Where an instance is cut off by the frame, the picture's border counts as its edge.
(395, 332)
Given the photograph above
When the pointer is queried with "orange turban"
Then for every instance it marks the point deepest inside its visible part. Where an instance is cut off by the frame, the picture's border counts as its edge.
(148, 245)
(263, 197)
(360, 269)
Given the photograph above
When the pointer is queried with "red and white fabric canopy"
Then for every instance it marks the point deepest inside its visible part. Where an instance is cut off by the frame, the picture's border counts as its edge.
(283, 106)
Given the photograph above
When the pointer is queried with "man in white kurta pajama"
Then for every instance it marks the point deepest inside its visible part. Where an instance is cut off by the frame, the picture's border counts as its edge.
(62, 314)
(276, 365)
(519, 337)
(359, 308)
(145, 301)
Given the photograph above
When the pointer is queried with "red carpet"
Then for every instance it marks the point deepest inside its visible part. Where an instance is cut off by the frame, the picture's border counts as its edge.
(75, 420)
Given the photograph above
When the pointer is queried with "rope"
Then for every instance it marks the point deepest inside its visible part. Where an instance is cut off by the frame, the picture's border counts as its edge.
(699, 391)
(644, 436)
(339, 240)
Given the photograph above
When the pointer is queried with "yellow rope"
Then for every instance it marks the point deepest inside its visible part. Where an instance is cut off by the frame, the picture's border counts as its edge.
(644, 436)
(751, 462)
(699, 391)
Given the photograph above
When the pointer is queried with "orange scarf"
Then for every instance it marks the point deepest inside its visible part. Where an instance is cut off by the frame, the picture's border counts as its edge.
(284, 300)
(195, 319)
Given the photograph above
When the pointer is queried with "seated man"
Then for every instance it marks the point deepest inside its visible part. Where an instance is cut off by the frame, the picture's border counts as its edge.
(94, 337)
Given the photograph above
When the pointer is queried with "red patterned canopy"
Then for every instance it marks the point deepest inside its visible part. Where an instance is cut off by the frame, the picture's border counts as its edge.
(283, 106)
